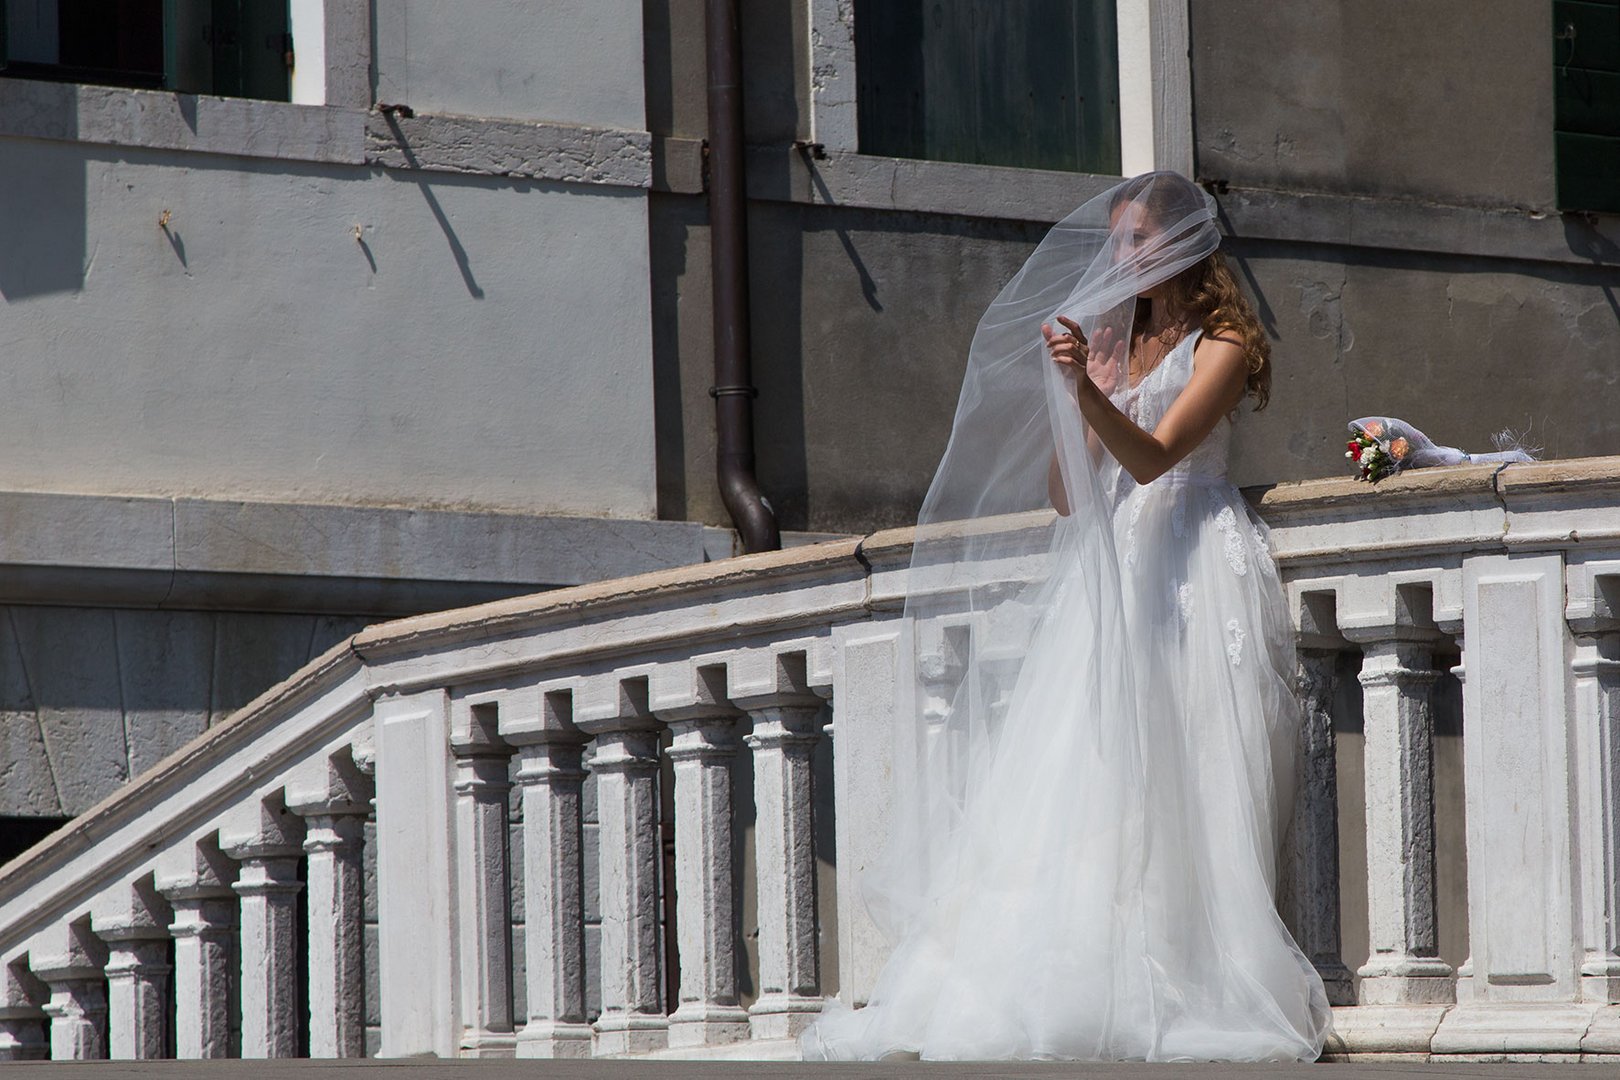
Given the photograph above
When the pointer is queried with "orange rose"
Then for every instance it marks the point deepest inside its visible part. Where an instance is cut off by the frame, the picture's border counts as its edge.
(1399, 449)
(1373, 428)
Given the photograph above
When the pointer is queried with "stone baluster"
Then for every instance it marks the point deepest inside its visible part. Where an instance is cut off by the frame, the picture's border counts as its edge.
(624, 758)
(22, 1021)
(134, 923)
(702, 749)
(70, 961)
(551, 778)
(196, 881)
(483, 839)
(1313, 883)
(551, 774)
(267, 840)
(1397, 674)
(784, 717)
(942, 660)
(1596, 670)
(334, 800)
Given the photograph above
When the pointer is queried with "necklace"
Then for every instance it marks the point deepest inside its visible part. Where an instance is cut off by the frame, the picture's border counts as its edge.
(1164, 340)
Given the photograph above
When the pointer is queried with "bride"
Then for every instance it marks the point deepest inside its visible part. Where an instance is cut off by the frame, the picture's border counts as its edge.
(1087, 805)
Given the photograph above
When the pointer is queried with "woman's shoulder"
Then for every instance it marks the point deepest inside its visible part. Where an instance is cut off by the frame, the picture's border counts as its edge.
(1218, 342)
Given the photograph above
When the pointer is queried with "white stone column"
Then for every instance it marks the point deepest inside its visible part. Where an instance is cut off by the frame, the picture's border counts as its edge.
(70, 961)
(204, 931)
(137, 994)
(134, 921)
(625, 761)
(703, 748)
(483, 840)
(551, 774)
(337, 977)
(1313, 881)
(1397, 673)
(267, 844)
(1596, 668)
(785, 727)
(22, 1021)
(334, 798)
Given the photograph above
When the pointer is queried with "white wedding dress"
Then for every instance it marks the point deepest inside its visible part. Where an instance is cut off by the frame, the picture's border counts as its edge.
(1110, 893)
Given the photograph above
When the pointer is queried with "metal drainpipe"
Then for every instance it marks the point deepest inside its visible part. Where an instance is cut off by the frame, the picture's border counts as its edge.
(733, 389)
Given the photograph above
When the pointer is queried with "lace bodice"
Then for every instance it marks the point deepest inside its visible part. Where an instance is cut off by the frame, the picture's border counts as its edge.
(1148, 401)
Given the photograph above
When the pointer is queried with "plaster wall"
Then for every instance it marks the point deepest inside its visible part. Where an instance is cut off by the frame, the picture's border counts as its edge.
(579, 62)
(862, 321)
(1464, 348)
(459, 351)
(1447, 100)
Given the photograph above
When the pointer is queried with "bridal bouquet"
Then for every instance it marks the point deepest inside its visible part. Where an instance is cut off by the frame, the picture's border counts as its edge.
(1381, 446)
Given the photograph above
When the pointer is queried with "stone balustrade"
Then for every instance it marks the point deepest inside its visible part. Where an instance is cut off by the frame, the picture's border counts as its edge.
(503, 779)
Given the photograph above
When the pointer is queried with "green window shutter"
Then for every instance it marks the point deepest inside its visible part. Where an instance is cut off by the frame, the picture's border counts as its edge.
(1030, 83)
(1587, 102)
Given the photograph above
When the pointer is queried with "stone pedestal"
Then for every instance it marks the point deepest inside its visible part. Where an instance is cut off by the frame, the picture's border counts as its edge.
(336, 946)
(22, 1021)
(703, 748)
(334, 797)
(1312, 882)
(70, 962)
(267, 841)
(551, 774)
(133, 921)
(138, 994)
(1597, 706)
(785, 728)
(625, 762)
(204, 931)
(1397, 673)
(483, 840)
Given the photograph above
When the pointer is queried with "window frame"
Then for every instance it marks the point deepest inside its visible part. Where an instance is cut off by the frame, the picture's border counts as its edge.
(1155, 86)
(331, 41)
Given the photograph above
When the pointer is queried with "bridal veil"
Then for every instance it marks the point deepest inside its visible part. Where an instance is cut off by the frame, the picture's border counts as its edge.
(1040, 883)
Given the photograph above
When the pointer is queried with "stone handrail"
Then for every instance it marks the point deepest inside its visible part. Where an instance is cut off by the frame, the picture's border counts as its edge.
(221, 893)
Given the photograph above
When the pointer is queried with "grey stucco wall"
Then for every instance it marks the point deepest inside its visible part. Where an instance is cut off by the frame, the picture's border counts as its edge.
(579, 62)
(1446, 100)
(1461, 347)
(460, 352)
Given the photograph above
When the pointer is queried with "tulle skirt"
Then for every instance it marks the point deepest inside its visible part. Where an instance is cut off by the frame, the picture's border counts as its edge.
(1112, 890)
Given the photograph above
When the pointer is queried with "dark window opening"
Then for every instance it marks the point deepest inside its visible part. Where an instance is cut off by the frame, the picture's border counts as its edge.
(229, 48)
(1029, 83)
(1586, 52)
(18, 834)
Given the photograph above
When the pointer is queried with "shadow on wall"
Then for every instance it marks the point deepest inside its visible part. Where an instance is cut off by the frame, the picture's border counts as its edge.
(1586, 241)
(43, 253)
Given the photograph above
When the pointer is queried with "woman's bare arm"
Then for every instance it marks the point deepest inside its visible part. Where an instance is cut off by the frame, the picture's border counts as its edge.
(1216, 387)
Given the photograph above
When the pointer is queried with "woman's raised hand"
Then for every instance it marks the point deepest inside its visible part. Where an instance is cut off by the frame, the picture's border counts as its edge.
(1101, 362)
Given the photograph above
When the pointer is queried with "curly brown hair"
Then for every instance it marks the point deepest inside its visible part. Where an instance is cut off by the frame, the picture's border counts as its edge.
(1208, 291)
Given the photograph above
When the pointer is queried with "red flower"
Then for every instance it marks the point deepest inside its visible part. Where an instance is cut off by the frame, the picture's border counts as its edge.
(1355, 451)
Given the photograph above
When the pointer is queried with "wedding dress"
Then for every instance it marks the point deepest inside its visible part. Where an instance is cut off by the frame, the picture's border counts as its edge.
(1084, 845)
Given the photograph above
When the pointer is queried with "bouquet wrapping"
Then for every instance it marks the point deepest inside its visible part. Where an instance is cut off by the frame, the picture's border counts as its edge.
(1381, 446)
